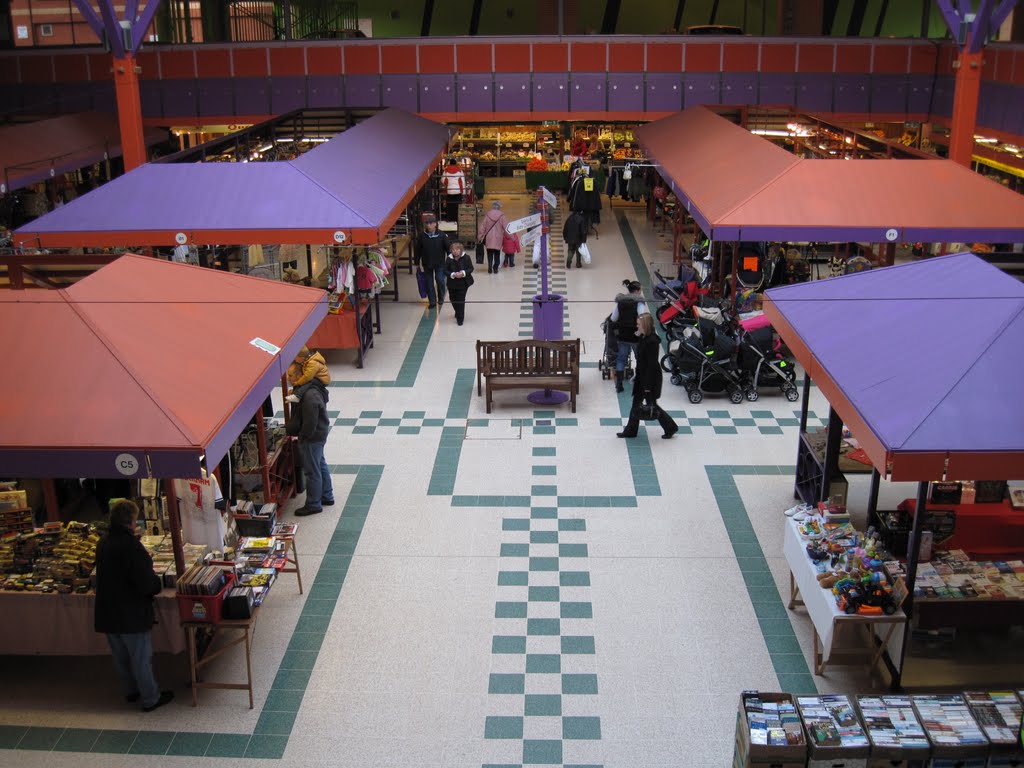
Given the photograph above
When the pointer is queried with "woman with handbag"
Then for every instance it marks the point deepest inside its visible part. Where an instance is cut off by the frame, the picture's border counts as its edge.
(491, 234)
(647, 383)
(458, 268)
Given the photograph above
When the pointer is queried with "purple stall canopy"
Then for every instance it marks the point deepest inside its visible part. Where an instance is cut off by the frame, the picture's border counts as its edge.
(350, 189)
(162, 365)
(923, 362)
(739, 186)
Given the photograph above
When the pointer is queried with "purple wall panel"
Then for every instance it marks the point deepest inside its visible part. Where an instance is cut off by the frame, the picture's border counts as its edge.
(437, 93)
(400, 91)
(150, 95)
(814, 91)
(588, 92)
(889, 93)
(37, 97)
(991, 106)
(74, 97)
(362, 91)
(475, 93)
(919, 93)
(1013, 119)
(664, 92)
(776, 89)
(512, 92)
(252, 95)
(103, 97)
(625, 91)
(11, 96)
(180, 99)
(216, 95)
(324, 91)
(702, 88)
(287, 93)
(942, 101)
(739, 89)
(550, 92)
(851, 94)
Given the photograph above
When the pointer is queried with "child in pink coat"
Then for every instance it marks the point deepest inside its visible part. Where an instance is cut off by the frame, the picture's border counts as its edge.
(510, 247)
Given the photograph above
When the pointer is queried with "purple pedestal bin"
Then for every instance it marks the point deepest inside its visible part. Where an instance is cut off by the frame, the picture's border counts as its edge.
(548, 320)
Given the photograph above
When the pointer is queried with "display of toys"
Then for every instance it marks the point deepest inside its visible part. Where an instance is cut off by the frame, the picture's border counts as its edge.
(870, 595)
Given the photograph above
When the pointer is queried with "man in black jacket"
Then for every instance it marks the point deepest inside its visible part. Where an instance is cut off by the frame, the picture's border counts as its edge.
(309, 422)
(125, 587)
(432, 249)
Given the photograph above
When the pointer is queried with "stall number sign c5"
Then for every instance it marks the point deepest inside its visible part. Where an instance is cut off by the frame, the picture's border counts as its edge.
(588, 185)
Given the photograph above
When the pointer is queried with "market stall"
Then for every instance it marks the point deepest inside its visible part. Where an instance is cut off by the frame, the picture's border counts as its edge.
(163, 366)
(922, 363)
(348, 191)
(739, 187)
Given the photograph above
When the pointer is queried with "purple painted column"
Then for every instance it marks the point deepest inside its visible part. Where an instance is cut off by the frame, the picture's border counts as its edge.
(548, 308)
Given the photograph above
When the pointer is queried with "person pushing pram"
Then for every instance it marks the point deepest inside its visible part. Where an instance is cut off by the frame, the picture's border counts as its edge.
(622, 325)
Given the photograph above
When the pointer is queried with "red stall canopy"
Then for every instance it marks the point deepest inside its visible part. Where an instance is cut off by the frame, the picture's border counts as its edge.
(142, 368)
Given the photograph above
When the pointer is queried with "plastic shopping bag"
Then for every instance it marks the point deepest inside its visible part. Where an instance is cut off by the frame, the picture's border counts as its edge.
(536, 252)
(421, 283)
(584, 253)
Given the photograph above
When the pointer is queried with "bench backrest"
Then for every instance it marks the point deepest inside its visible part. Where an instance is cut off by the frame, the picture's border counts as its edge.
(528, 357)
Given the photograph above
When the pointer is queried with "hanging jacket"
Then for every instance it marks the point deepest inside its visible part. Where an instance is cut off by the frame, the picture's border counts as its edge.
(492, 229)
(575, 230)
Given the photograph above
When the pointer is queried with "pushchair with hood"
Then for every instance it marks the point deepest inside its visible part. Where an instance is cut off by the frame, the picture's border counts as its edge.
(701, 361)
(760, 362)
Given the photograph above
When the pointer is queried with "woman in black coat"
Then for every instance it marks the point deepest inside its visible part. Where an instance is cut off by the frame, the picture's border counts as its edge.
(575, 234)
(458, 269)
(647, 381)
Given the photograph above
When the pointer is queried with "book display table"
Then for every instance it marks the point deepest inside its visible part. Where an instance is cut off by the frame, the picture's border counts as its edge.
(236, 632)
(828, 621)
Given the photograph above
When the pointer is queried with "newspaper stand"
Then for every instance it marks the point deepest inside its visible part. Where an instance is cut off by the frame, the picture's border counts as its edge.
(750, 755)
(956, 739)
(897, 738)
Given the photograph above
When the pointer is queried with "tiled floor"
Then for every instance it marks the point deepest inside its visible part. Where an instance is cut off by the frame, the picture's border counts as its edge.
(505, 589)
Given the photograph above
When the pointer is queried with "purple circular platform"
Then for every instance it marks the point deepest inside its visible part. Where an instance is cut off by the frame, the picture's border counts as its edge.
(547, 397)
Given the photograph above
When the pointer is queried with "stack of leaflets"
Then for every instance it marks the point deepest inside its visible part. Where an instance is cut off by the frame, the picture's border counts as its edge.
(255, 545)
(831, 722)
(998, 713)
(948, 721)
(285, 529)
(773, 723)
(891, 723)
(953, 575)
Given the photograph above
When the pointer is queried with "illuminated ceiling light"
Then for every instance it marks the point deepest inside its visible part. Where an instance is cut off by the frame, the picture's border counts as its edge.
(769, 132)
(985, 140)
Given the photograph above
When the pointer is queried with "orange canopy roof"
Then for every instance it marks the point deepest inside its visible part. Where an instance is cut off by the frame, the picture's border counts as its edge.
(143, 367)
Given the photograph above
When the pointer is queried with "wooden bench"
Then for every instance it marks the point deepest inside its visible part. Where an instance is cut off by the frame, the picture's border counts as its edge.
(529, 364)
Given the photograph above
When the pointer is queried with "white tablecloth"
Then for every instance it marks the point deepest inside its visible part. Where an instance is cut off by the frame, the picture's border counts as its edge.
(37, 624)
(820, 603)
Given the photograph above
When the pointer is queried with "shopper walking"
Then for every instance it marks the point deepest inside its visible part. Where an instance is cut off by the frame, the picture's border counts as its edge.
(431, 250)
(490, 233)
(459, 271)
(453, 182)
(310, 424)
(628, 307)
(647, 382)
(125, 588)
(575, 234)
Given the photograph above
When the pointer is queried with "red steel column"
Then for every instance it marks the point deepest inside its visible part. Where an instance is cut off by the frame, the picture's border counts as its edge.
(965, 107)
(129, 112)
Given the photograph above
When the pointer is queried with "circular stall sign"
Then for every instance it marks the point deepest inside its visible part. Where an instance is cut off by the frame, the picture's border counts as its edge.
(891, 235)
(181, 238)
(340, 237)
(126, 464)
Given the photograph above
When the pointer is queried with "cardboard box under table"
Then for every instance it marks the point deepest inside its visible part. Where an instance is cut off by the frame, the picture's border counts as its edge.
(828, 621)
(757, 711)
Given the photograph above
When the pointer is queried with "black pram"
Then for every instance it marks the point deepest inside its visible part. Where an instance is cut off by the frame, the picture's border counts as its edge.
(611, 352)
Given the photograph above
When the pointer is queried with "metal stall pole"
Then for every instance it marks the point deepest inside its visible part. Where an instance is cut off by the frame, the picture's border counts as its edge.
(804, 405)
(831, 463)
(876, 476)
(912, 553)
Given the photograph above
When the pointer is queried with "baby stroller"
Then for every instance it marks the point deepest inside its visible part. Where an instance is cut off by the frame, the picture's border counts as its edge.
(759, 362)
(611, 352)
(703, 366)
